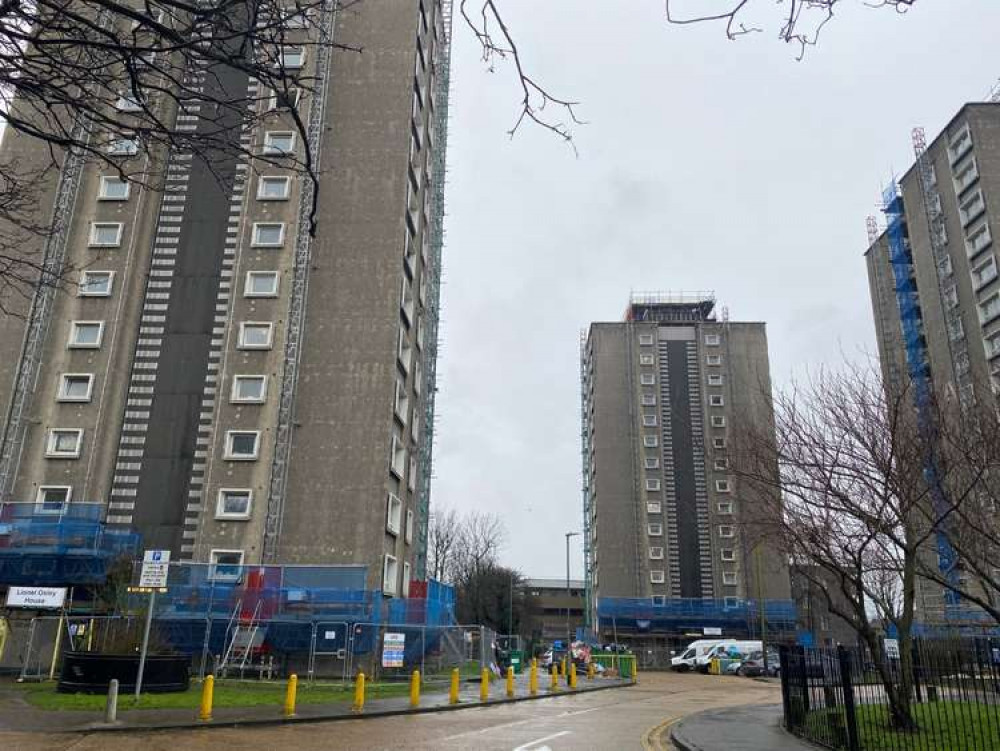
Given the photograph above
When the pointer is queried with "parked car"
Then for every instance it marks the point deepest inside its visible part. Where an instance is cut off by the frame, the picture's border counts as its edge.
(753, 665)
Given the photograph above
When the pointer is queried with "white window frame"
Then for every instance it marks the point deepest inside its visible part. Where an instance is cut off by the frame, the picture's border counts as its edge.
(729, 578)
(727, 531)
(646, 359)
(270, 149)
(647, 379)
(713, 360)
(406, 579)
(214, 565)
(127, 102)
(123, 146)
(234, 392)
(649, 400)
(650, 441)
(712, 340)
(81, 288)
(52, 438)
(715, 379)
(295, 96)
(229, 455)
(255, 240)
(108, 180)
(652, 483)
(719, 442)
(96, 227)
(645, 340)
(649, 421)
(291, 50)
(40, 502)
(397, 457)
(730, 602)
(74, 327)
(727, 554)
(654, 529)
(401, 402)
(651, 462)
(654, 507)
(724, 507)
(718, 421)
(657, 576)
(721, 463)
(723, 486)
(263, 180)
(390, 575)
(220, 503)
(246, 326)
(716, 400)
(393, 514)
(981, 275)
(408, 530)
(248, 285)
(656, 552)
(63, 396)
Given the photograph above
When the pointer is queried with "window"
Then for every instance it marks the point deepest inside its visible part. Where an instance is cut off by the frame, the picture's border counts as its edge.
(715, 379)
(719, 443)
(123, 146)
(722, 486)
(724, 508)
(52, 499)
(993, 345)
(656, 553)
(397, 461)
(647, 379)
(654, 530)
(650, 441)
(64, 443)
(657, 577)
(242, 445)
(268, 234)
(645, 359)
(273, 188)
(653, 507)
(645, 339)
(653, 484)
(404, 351)
(712, 340)
(965, 176)
(408, 536)
(721, 462)
(249, 389)
(233, 503)
(726, 530)
(713, 360)
(292, 58)
(649, 400)
(128, 102)
(984, 273)
(390, 575)
(972, 207)
(393, 514)
(86, 334)
(716, 400)
(718, 421)
(728, 554)
(75, 387)
(649, 421)
(411, 474)
(261, 284)
(298, 20)
(95, 283)
(950, 295)
(978, 240)
(255, 335)
(288, 99)
(730, 602)
(279, 143)
(402, 405)
(406, 579)
(112, 189)
(105, 234)
(990, 308)
(729, 578)
(652, 462)
(225, 565)
(960, 144)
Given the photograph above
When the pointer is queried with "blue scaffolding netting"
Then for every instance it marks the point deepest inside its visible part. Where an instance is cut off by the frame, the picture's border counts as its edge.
(59, 544)
(692, 614)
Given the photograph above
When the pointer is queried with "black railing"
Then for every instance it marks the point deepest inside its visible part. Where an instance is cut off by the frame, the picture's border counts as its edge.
(844, 699)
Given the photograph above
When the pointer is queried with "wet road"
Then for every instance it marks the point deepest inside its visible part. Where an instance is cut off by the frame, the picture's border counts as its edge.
(629, 718)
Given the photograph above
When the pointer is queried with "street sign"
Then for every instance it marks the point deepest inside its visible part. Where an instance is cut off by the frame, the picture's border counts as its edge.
(711, 631)
(892, 649)
(392, 650)
(155, 567)
(42, 598)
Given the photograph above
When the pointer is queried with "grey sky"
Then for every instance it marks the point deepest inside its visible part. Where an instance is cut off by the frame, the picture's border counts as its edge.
(706, 164)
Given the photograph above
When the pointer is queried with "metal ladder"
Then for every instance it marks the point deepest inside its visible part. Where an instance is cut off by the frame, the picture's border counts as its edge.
(242, 640)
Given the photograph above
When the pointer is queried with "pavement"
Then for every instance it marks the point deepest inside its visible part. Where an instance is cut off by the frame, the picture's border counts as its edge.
(736, 729)
(635, 717)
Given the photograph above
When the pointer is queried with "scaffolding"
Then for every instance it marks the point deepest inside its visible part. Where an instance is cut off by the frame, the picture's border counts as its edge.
(670, 307)
(585, 454)
(644, 615)
(432, 270)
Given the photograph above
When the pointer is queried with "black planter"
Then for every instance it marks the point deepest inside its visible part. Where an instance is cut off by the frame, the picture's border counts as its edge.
(90, 673)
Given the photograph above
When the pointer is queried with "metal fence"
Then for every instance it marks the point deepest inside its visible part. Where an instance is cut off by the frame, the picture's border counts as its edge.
(838, 698)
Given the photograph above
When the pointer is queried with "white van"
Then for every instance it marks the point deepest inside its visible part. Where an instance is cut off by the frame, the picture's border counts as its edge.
(686, 659)
(723, 649)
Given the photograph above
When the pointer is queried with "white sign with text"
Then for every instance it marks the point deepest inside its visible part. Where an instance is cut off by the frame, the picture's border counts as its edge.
(48, 598)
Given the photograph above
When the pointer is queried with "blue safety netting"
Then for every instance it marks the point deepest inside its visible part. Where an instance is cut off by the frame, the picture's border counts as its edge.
(693, 614)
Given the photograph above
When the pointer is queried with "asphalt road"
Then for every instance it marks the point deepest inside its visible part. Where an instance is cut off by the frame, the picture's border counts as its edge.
(636, 717)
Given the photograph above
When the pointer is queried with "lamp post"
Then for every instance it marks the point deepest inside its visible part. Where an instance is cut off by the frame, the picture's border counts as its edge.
(569, 641)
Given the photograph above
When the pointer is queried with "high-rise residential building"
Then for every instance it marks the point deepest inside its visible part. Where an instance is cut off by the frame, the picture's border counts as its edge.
(234, 389)
(934, 282)
(665, 517)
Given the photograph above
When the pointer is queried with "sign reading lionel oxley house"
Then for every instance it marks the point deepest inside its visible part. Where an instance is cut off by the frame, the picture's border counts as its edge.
(43, 598)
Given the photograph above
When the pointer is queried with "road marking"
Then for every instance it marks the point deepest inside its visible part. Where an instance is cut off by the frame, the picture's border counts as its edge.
(529, 744)
(652, 739)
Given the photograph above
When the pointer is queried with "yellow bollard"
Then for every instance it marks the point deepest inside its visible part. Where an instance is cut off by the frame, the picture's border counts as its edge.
(484, 685)
(572, 675)
(290, 691)
(635, 669)
(554, 685)
(562, 667)
(510, 683)
(533, 679)
(359, 693)
(415, 689)
(590, 671)
(207, 695)
(453, 692)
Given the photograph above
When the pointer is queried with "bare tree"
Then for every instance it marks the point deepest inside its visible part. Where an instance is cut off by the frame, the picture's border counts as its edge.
(443, 535)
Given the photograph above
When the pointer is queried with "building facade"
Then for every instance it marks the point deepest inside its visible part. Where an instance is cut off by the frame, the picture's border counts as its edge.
(665, 518)
(229, 386)
(553, 610)
(935, 287)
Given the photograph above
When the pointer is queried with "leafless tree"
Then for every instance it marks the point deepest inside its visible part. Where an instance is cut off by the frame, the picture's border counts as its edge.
(443, 533)
(802, 20)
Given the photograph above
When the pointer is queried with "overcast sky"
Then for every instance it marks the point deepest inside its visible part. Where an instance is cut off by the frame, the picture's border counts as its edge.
(706, 165)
